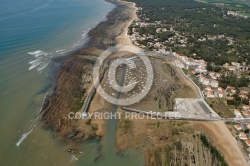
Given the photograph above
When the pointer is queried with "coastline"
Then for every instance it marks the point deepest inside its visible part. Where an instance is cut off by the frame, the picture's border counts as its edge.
(74, 76)
(73, 79)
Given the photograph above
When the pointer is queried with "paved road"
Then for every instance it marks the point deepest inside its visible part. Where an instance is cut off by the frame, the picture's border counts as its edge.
(170, 115)
(86, 105)
(198, 118)
(204, 107)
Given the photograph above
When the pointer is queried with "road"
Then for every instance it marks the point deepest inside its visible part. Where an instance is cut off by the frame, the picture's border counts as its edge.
(170, 115)
(198, 118)
(86, 105)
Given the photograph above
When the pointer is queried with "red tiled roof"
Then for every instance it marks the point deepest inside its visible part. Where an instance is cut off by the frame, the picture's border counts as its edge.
(248, 142)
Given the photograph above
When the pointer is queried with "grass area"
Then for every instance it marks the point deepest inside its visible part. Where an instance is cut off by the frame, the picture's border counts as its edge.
(240, 5)
(220, 107)
(187, 71)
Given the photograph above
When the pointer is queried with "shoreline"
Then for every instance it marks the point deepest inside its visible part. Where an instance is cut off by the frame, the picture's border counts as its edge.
(73, 77)
(96, 44)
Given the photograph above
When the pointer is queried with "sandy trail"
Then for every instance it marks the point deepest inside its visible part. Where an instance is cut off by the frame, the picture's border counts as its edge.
(123, 39)
(224, 141)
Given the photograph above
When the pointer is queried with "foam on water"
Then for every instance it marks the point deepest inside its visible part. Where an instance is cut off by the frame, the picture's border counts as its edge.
(73, 158)
(37, 53)
(24, 136)
(42, 61)
(60, 50)
(44, 58)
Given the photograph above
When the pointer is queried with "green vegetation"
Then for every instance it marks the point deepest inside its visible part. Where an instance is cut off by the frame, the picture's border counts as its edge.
(220, 106)
(210, 33)
(126, 125)
(213, 150)
(242, 6)
(234, 81)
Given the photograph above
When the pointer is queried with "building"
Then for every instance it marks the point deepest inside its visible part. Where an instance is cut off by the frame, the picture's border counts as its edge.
(248, 142)
(237, 113)
(214, 83)
(220, 89)
(238, 127)
(248, 125)
(210, 94)
(243, 136)
(230, 87)
(246, 107)
(220, 94)
(246, 113)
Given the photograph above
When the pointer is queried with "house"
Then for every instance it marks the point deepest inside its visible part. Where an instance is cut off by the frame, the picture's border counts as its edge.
(217, 75)
(248, 142)
(206, 81)
(214, 83)
(237, 113)
(230, 87)
(246, 107)
(238, 126)
(233, 91)
(248, 125)
(220, 94)
(201, 69)
(210, 94)
(246, 113)
(231, 68)
(243, 96)
(243, 136)
(220, 88)
(208, 88)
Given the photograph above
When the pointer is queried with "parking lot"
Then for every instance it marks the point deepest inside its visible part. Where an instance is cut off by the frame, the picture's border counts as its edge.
(190, 107)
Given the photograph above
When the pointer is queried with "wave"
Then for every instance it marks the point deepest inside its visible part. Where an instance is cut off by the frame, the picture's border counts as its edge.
(42, 66)
(60, 50)
(84, 34)
(37, 53)
(42, 60)
(24, 136)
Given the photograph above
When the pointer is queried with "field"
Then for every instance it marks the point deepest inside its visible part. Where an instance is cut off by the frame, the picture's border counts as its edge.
(220, 107)
(238, 5)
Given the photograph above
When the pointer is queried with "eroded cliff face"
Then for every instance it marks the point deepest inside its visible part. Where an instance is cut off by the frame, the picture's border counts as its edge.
(75, 77)
(69, 92)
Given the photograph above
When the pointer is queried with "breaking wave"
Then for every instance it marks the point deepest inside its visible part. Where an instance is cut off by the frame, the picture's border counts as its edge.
(24, 136)
(42, 60)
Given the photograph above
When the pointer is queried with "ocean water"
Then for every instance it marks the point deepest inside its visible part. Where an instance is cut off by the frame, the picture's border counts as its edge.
(31, 33)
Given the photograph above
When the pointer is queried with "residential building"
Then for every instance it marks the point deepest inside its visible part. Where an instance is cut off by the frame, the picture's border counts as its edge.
(246, 113)
(248, 142)
(238, 126)
(243, 136)
(237, 113)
